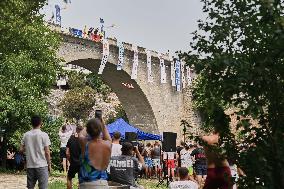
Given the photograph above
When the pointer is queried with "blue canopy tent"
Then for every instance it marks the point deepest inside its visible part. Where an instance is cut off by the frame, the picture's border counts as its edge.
(121, 126)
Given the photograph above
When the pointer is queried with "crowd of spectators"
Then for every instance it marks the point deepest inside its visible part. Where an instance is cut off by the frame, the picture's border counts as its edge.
(99, 159)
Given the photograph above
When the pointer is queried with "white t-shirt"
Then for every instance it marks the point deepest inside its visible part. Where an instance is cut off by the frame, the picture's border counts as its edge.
(185, 158)
(64, 137)
(115, 150)
(34, 142)
(187, 184)
(171, 155)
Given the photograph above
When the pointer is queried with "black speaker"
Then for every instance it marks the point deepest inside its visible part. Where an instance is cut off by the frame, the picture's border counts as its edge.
(169, 142)
(130, 136)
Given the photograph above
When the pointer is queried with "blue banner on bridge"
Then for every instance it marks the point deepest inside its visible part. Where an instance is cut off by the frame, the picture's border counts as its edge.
(57, 15)
(178, 75)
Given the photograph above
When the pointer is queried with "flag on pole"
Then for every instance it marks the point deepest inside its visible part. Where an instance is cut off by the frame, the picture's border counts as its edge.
(102, 25)
(135, 62)
(67, 1)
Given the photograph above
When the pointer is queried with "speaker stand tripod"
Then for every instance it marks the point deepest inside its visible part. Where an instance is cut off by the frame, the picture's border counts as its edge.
(165, 176)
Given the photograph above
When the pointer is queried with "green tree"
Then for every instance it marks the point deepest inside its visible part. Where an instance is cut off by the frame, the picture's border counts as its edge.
(238, 56)
(120, 113)
(76, 79)
(98, 84)
(77, 103)
(28, 65)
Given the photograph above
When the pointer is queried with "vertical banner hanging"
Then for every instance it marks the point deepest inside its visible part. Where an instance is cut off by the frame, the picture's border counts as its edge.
(120, 55)
(183, 80)
(188, 76)
(163, 69)
(57, 15)
(178, 87)
(173, 79)
(105, 56)
(149, 66)
(135, 62)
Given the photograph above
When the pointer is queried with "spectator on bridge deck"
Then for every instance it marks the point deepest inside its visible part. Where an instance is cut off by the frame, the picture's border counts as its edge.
(96, 152)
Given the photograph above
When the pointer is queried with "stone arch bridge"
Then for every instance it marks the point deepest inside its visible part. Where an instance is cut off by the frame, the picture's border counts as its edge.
(152, 107)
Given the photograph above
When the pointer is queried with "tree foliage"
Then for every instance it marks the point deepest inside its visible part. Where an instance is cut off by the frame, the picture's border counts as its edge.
(98, 84)
(77, 103)
(120, 114)
(238, 54)
(76, 79)
(28, 64)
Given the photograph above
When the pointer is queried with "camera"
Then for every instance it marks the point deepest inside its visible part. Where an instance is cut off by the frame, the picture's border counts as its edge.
(99, 114)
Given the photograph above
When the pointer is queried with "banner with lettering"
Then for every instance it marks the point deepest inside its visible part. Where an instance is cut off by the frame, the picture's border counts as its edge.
(163, 69)
(183, 80)
(188, 76)
(149, 66)
(177, 70)
(135, 62)
(76, 32)
(105, 56)
(57, 15)
(120, 55)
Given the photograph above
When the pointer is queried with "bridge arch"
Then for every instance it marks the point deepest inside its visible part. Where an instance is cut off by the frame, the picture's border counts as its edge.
(153, 107)
(134, 101)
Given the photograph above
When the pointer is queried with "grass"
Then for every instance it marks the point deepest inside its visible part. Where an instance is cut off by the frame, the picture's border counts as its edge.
(58, 181)
(147, 184)
(151, 184)
(57, 185)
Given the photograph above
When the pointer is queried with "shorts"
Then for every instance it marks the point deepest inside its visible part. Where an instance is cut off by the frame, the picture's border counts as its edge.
(171, 164)
(37, 174)
(219, 177)
(148, 162)
(100, 184)
(157, 163)
(73, 169)
(62, 152)
(200, 169)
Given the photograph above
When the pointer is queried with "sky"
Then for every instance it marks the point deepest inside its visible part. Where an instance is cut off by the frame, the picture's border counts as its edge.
(158, 25)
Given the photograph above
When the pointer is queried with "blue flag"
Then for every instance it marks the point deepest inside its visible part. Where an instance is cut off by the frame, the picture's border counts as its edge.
(76, 32)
